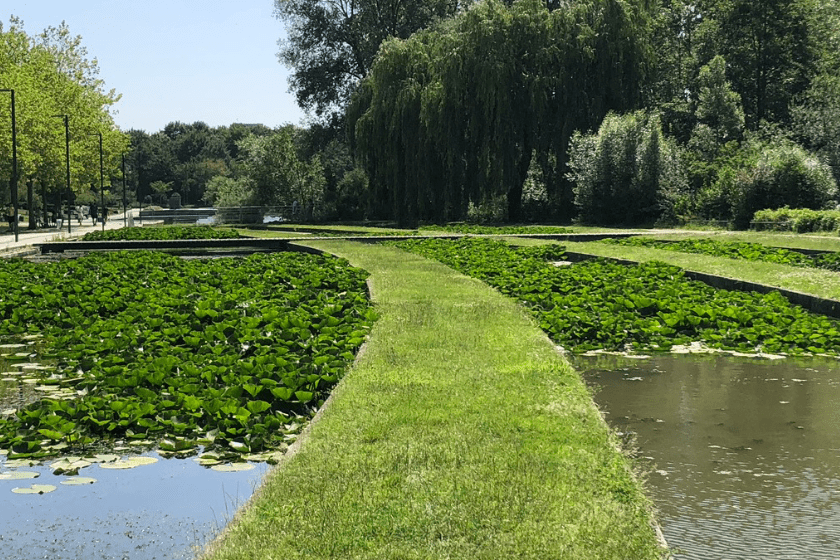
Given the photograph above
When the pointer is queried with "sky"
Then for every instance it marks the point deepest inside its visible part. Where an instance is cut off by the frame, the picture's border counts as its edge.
(178, 60)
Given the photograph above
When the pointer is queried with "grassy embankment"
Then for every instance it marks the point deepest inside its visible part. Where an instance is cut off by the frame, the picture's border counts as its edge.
(459, 433)
(822, 283)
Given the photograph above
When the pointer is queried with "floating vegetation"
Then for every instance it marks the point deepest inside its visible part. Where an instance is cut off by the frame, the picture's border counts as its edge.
(78, 481)
(233, 354)
(35, 489)
(233, 467)
(496, 230)
(599, 304)
(129, 463)
(18, 475)
(158, 233)
(736, 250)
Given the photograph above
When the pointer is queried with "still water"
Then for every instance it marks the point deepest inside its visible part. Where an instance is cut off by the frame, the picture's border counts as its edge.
(744, 453)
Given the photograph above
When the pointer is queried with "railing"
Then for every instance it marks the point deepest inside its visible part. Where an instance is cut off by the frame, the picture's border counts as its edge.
(224, 215)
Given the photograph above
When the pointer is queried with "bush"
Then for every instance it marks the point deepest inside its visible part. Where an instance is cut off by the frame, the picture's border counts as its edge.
(800, 220)
(628, 173)
(776, 174)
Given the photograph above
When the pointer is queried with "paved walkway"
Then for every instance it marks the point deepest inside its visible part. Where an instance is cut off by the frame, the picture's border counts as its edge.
(27, 239)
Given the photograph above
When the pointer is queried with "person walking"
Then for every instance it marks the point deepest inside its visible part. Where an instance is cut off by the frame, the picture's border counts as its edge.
(94, 212)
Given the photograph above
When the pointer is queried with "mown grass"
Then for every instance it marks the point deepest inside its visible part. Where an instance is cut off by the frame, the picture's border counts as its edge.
(460, 433)
(822, 283)
(823, 242)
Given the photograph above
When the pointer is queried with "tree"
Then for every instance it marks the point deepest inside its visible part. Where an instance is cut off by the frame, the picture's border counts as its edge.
(770, 50)
(455, 115)
(278, 177)
(331, 44)
(628, 173)
(51, 76)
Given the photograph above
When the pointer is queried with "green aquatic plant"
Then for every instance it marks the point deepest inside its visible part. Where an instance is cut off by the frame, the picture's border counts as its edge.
(736, 250)
(160, 233)
(600, 304)
(229, 353)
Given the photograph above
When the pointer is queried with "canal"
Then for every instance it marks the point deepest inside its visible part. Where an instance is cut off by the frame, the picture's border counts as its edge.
(743, 453)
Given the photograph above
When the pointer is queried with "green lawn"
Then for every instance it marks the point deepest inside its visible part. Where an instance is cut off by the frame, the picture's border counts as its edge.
(460, 433)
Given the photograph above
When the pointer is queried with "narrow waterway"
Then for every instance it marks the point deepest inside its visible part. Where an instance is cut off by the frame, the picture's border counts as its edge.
(744, 453)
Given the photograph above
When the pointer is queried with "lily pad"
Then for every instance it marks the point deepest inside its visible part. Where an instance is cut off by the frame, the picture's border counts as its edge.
(129, 463)
(78, 481)
(35, 489)
(233, 467)
(12, 346)
(14, 463)
(18, 475)
(69, 466)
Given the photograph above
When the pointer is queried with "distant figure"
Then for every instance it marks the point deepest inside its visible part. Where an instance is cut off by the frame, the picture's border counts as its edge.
(94, 213)
(104, 214)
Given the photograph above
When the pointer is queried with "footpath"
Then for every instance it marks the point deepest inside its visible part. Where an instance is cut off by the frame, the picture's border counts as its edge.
(460, 434)
(29, 239)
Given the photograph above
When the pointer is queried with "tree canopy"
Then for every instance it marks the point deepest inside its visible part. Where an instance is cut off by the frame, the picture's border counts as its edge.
(455, 115)
(53, 77)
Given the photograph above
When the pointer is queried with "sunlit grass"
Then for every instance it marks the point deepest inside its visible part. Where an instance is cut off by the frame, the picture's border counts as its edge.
(461, 433)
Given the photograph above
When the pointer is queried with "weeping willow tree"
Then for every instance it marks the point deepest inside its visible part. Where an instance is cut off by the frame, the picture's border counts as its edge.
(457, 114)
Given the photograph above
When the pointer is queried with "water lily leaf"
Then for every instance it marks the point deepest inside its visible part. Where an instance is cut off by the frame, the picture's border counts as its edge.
(78, 481)
(15, 463)
(233, 467)
(35, 489)
(18, 475)
(129, 463)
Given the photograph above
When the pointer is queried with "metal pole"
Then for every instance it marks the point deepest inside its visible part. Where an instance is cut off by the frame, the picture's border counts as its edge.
(14, 179)
(125, 211)
(67, 152)
(101, 182)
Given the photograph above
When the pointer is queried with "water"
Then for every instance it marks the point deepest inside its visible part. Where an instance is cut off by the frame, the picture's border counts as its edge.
(744, 453)
(163, 511)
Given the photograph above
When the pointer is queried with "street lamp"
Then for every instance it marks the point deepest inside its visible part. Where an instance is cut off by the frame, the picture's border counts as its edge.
(125, 211)
(67, 151)
(13, 181)
(101, 180)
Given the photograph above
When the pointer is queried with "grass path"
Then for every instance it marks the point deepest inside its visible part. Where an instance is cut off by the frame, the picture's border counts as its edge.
(459, 434)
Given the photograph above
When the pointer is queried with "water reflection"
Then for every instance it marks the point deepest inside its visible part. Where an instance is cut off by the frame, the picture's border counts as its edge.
(744, 453)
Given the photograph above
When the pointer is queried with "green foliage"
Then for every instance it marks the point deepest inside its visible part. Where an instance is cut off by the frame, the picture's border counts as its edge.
(628, 173)
(51, 75)
(160, 233)
(800, 220)
(223, 192)
(222, 352)
(279, 178)
(330, 46)
(651, 306)
(496, 230)
(455, 116)
(816, 118)
(736, 250)
(772, 175)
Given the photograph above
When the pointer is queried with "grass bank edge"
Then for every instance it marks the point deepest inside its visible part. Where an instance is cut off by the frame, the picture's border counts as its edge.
(460, 433)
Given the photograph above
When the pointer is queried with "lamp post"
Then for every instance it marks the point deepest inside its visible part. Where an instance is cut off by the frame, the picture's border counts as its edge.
(101, 181)
(13, 181)
(125, 211)
(67, 158)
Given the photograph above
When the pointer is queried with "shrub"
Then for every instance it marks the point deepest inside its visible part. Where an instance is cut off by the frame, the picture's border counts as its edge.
(777, 174)
(800, 220)
(628, 173)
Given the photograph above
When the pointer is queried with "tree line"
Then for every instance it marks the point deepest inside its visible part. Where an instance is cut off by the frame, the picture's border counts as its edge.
(610, 111)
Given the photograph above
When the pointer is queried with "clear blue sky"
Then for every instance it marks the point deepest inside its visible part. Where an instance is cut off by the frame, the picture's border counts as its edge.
(178, 60)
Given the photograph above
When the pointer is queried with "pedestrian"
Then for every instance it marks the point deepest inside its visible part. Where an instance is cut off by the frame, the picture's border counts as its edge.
(94, 213)
(104, 214)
